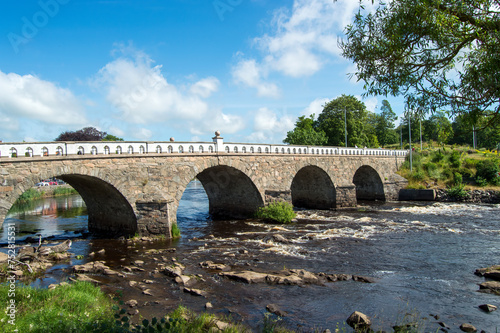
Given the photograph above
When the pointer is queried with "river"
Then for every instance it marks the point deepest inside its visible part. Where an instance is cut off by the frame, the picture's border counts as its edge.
(421, 255)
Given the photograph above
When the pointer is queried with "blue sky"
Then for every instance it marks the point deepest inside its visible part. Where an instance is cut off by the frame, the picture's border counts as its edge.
(151, 69)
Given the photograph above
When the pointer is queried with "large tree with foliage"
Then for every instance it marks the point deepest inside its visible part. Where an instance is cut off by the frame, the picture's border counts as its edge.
(384, 127)
(305, 134)
(439, 54)
(85, 134)
(331, 121)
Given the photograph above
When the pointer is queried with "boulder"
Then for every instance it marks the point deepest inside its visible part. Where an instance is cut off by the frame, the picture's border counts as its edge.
(358, 321)
(195, 292)
(468, 328)
(132, 303)
(487, 307)
(490, 286)
(211, 265)
(246, 276)
(273, 308)
(482, 271)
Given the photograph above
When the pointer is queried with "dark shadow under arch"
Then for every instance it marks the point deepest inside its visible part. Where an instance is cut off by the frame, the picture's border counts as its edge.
(312, 188)
(369, 186)
(231, 193)
(109, 212)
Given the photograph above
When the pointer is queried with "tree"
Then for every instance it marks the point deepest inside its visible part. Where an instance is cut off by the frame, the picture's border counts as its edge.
(85, 134)
(331, 121)
(305, 134)
(440, 128)
(110, 137)
(384, 127)
(438, 54)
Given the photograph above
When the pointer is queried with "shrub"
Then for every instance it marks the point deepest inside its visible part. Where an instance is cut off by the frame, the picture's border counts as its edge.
(480, 181)
(418, 174)
(457, 178)
(176, 232)
(455, 159)
(29, 195)
(488, 169)
(466, 172)
(457, 191)
(277, 211)
(437, 156)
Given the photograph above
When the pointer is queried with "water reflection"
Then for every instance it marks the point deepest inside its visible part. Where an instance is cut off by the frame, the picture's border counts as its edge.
(59, 217)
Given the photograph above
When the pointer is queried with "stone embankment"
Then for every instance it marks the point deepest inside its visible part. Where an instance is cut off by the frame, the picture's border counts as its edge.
(473, 196)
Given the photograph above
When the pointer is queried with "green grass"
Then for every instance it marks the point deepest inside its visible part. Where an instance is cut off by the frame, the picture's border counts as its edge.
(29, 195)
(277, 211)
(70, 308)
(442, 167)
(60, 191)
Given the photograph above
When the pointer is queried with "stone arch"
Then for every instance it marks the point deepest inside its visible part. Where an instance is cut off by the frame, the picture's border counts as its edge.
(231, 193)
(368, 184)
(29, 152)
(108, 210)
(313, 188)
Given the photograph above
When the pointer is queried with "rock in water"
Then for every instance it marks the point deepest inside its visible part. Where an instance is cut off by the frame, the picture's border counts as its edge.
(359, 321)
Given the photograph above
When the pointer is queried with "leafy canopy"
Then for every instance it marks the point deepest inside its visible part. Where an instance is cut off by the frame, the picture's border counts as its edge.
(87, 134)
(438, 54)
(305, 134)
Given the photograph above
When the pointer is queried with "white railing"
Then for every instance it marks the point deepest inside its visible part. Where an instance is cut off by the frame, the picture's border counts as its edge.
(54, 149)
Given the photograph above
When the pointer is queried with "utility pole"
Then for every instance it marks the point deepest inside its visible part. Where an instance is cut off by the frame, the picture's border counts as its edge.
(401, 136)
(345, 122)
(473, 137)
(409, 132)
(420, 134)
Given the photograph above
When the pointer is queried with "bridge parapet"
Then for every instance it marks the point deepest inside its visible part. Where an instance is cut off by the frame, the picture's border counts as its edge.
(67, 148)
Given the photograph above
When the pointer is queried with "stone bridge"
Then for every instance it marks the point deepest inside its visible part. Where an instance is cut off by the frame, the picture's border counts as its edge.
(139, 191)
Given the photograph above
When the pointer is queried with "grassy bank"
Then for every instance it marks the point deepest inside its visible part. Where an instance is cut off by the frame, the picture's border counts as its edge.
(451, 167)
(83, 307)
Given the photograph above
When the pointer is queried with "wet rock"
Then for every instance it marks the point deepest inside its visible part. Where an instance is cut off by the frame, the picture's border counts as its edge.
(132, 283)
(246, 276)
(132, 303)
(110, 272)
(172, 271)
(3, 257)
(466, 327)
(338, 277)
(221, 325)
(363, 279)
(211, 265)
(208, 305)
(285, 280)
(195, 292)
(273, 308)
(101, 252)
(183, 279)
(442, 324)
(91, 267)
(132, 312)
(490, 287)
(358, 321)
(138, 262)
(148, 281)
(83, 277)
(494, 275)
(148, 292)
(487, 307)
(52, 286)
(305, 276)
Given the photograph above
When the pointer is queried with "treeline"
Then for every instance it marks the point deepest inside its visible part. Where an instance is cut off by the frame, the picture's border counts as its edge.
(369, 129)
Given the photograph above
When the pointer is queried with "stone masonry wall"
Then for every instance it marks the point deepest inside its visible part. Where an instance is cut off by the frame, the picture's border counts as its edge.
(152, 185)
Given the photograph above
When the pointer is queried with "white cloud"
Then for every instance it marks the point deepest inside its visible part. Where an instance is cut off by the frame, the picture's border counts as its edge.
(225, 123)
(371, 103)
(316, 107)
(249, 73)
(269, 127)
(142, 94)
(205, 87)
(303, 39)
(29, 97)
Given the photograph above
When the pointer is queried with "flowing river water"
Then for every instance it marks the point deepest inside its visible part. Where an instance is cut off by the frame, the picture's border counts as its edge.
(421, 255)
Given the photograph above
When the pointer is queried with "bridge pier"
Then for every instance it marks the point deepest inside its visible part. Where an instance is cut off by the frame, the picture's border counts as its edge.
(346, 196)
(153, 218)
